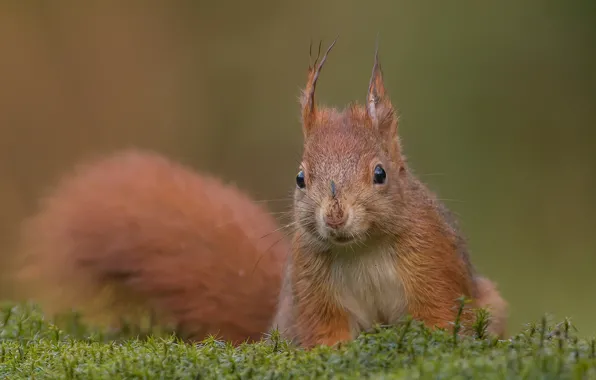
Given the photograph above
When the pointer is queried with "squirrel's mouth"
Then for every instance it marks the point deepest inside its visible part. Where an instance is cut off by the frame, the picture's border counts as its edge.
(341, 239)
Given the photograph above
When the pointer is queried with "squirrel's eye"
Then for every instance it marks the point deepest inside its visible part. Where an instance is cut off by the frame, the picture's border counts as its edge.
(379, 175)
(300, 180)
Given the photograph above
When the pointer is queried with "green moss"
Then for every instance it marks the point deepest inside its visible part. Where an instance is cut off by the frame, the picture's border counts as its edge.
(31, 347)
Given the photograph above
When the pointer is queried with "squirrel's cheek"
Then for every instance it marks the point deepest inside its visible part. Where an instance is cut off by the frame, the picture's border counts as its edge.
(359, 219)
(320, 220)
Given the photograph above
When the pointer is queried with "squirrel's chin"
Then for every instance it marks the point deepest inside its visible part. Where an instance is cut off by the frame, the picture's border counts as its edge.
(341, 240)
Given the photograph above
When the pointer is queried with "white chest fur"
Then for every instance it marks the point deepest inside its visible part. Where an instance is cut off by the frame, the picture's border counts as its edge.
(368, 286)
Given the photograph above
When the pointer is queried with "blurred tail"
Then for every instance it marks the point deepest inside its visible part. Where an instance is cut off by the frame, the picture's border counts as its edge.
(134, 233)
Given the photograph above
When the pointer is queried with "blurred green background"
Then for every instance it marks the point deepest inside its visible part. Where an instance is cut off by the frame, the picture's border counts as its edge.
(497, 104)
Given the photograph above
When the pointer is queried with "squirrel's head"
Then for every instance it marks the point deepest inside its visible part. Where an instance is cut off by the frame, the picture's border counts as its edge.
(348, 186)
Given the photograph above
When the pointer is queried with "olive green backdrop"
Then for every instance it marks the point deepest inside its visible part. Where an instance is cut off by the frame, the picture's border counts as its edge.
(497, 103)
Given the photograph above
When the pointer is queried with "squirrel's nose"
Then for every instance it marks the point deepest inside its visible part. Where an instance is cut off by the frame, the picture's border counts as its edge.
(336, 216)
(334, 221)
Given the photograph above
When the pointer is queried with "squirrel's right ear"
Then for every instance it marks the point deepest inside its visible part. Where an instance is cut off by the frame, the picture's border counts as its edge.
(379, 110)
(307, 100)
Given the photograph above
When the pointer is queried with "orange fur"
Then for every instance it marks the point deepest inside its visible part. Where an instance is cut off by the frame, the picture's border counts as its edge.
(134, 231)
(490, 298)
(321, 320)
(369, 250)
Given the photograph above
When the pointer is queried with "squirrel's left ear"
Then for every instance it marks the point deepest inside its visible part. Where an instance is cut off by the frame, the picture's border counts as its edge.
(380, 113)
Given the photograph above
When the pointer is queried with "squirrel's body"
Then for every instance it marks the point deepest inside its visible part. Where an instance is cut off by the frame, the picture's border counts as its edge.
(372, 243)
(137, 230)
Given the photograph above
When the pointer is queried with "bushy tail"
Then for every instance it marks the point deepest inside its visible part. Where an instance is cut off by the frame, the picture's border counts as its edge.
(135, 232)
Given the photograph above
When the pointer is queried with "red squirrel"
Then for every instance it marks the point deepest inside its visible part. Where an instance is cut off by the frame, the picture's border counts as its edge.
(371, 244)
(134, 231)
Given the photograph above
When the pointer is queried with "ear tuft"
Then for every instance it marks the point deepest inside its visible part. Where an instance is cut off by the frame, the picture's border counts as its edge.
(380, 113)
(307, 100)
(376, 90)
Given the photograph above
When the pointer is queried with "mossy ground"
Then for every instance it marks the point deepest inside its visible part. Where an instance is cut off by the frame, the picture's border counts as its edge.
(34, 348)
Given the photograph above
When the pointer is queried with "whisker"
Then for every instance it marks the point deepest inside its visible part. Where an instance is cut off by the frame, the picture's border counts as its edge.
(278, 229)
(266, 251)
(450, 200)
(273, 200)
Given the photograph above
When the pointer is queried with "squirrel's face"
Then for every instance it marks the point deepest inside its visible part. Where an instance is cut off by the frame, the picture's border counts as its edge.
(347, 187)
